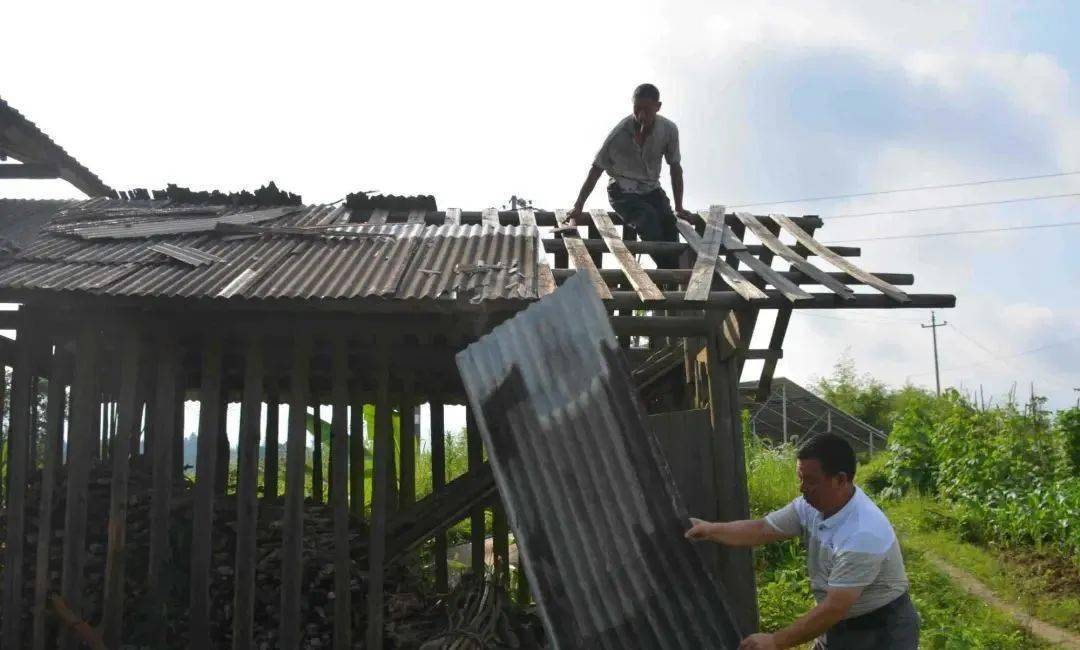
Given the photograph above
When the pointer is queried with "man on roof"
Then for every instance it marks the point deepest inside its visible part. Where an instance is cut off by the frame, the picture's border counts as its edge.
(631, 156)
(852, 555)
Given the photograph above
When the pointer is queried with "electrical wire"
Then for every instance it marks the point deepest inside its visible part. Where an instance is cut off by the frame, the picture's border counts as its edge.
(906, 189)
(949, 233)
(929, 208)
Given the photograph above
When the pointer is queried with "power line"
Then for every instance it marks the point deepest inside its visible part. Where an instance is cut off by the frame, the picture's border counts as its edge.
(1048, 346)
(898, 321)
(906, 189)
(929, 208)
(948, 233)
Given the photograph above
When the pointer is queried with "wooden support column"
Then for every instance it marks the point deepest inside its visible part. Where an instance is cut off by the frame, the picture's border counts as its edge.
(113, 613)
(82, 443)
(178, 426)
(221, 478)
(438, 484)
(356, 454)
(3, 407)
(18, 459)
(316, 454)
(339, 458)
(54, 431)
(168, 405)
(247, 480)
(270, 460)
(381, 485)
(35, 422)
(293, 529)
(500, 542)
(736, 564)
(475, 451)
(407, 444)
(202, 517)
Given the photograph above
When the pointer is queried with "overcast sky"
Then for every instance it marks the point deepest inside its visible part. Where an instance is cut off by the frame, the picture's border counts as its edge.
(474, 101)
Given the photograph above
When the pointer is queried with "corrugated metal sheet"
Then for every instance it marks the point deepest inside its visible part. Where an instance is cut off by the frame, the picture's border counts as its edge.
(592, 503)
(21, 220)
(151, 224)
(321, 256)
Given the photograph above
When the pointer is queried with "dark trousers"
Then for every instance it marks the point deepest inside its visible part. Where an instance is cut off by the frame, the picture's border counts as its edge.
(894, 626)
(650, 216)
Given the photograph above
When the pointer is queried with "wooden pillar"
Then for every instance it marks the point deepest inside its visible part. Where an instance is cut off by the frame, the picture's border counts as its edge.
(356, 455)
(18, 460)
(54, 430)
(127, 421)
(270, 460)
(221, 479)
(381, 486)
(475, 452)
(247, 497)
(339, 471)
(202, 515)
(35, 422)
(407, 461)
(293, 529)
(438, 484)
(316, 454)
(83, 441)
(736, 564)
(3, 408)
(500, 542)
(178, 415)
(168, 404)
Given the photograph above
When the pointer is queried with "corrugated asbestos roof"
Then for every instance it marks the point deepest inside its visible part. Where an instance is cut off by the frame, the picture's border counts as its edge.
(22, 219)
(309, 253)
(591, 501)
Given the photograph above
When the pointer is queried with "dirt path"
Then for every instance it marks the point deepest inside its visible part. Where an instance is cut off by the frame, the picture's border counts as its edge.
(1045, 631)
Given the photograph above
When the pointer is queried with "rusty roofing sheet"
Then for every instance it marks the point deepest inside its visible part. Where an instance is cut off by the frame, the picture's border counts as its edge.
(589, 496)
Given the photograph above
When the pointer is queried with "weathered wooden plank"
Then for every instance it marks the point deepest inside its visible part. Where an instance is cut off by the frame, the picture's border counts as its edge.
(579, 256)
(340, 460)
(270, 460)
(705, 265)
(202, 516)
(378, 217)
(54, 432)
(116, 558)
(416, 217)
(380, 502)
(82, 442)
(475, 452)
(18, 461)
(356, 453)
(545, 280)
(844, 265)
(526, 217)
(490, 217)
(293, 529)
(557, 245)
(247, 496)
(773, 243)
(438, 483)
(729, 275)
(453, 216)
(407, 445)
(637, 277)
(167, 410)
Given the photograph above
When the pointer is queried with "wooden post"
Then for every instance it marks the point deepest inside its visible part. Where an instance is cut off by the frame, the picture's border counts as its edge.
(438, 484)
(54, 430)
(178, 426)
(316, 454)
(202, 516)
(247, 497)
(380, 501)
(293, 529)
(270, 461)
(407, 462)
(221, 479)
(168, 404)
(339, 471)
(356, 455)
(18, 459)
(83, 441)
(35, 421)
(113, 616)
(475, 451)
(3, 407)
(500, 542)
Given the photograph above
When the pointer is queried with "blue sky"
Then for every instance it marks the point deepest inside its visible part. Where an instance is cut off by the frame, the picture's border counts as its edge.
(475, 102)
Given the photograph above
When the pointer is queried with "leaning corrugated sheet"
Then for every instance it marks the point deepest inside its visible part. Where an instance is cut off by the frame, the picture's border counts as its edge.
(321, 256)
(591, 501)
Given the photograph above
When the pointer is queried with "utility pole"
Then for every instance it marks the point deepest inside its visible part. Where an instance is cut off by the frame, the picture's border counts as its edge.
(933, 330)
(1077, 391)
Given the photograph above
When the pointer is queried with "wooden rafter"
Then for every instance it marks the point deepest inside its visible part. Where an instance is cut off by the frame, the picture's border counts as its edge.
(797, 261)
(634, 273)
(579, 255)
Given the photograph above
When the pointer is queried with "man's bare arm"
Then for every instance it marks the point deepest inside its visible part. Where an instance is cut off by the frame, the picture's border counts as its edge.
(677, 191)
(586, 189)
(747, 532)
(810, 625)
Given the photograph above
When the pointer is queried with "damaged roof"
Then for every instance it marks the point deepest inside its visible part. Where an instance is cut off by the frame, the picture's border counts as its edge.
(156, 248)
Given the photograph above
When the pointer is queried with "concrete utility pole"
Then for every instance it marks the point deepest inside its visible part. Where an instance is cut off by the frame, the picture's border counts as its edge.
(933, 330)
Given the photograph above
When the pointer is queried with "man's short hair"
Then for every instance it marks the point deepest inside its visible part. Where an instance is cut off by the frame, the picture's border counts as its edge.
(833, 452)
(647, 91)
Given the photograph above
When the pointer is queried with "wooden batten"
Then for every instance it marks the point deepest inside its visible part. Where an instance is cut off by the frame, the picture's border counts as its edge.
(339, 459)
(247, 497)
(293, 529)
(127, 422)
(206, 475)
